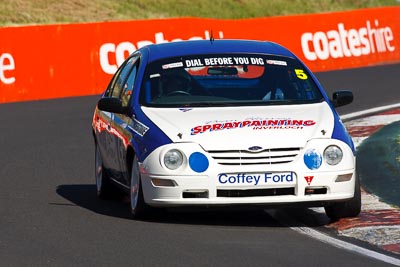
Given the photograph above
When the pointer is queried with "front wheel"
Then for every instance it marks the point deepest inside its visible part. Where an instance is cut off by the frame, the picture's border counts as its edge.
(137, 205)
(350, 208)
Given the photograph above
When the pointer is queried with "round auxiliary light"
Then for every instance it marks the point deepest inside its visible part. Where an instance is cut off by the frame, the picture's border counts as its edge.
(333, 155)
(312, 159)
(173, 159)
(198, 162)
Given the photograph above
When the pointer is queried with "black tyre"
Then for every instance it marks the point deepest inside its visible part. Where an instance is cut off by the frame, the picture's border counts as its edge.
(104, 188)
(350, 208)
(137, 205)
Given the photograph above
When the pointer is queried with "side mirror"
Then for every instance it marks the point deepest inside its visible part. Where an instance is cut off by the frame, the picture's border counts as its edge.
(341, 98)
(112, 104)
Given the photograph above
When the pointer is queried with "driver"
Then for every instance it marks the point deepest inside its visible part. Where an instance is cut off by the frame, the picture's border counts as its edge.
(174, 84)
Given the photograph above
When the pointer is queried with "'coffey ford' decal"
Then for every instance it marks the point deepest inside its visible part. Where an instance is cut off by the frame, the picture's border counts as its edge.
(257, 179)
(256, 124)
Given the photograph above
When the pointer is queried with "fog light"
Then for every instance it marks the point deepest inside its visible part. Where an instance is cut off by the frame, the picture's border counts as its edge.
(198, 162)
(312, 159)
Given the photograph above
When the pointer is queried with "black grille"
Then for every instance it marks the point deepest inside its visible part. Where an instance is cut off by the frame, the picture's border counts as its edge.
(255, 192)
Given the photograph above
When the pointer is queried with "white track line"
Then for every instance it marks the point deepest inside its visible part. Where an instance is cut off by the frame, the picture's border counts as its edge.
(366, 112)
(334, 241)
(373, 120)
(345, 245)
(284, 219)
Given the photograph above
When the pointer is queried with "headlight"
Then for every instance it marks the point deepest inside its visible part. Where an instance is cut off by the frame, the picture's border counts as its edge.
(333, 155)
(173, 159)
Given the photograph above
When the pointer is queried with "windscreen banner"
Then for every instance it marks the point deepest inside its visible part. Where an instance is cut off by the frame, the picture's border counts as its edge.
(64, 60)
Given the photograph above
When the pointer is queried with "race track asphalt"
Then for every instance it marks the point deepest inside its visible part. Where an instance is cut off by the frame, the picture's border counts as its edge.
(50, 216)
(372, 86)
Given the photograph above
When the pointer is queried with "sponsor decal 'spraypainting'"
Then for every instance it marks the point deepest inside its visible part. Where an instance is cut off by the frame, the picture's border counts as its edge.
(263, 124)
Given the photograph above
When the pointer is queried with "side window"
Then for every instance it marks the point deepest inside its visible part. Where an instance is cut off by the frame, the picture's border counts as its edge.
(129, 84)
(113, 82)
(119, 80)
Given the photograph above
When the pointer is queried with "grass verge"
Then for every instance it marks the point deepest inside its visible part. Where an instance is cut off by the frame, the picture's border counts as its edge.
(20, 12)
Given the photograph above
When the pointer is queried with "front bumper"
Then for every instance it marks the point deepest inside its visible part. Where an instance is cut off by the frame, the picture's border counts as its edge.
(204, 190)
(260, 184)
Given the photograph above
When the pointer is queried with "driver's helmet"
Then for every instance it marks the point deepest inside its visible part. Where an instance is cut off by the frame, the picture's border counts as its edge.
(174, 82)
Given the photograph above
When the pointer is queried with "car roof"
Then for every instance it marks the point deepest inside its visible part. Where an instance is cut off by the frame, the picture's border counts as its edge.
(192, 47)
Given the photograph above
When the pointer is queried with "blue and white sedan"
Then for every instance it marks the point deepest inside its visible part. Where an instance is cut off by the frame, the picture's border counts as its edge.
(223, 123)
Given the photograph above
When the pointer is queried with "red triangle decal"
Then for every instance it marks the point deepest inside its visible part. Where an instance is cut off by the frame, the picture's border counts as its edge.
(309, 179)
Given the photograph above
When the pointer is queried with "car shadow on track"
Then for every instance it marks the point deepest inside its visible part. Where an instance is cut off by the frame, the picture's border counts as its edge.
(84, 195)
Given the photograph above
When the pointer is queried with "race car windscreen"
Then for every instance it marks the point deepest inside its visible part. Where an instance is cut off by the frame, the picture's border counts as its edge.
(227, 80)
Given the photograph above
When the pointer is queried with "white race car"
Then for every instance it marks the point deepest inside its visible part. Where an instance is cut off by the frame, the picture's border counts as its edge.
(224, 122)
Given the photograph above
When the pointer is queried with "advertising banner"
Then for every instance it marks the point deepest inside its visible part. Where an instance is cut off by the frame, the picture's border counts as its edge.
(52, 61)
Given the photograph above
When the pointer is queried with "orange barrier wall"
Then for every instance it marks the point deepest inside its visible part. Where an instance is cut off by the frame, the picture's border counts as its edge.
(51, 61)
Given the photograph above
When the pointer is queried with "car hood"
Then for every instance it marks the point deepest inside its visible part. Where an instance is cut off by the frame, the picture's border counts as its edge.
(241, 128)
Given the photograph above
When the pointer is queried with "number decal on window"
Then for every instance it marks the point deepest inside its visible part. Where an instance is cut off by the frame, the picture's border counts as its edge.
(300, 74)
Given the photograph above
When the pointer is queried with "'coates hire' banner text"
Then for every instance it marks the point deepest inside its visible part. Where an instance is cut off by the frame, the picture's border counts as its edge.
(50, 61)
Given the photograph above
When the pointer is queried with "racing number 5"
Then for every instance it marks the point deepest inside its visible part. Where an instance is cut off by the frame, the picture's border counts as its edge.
(300, 74)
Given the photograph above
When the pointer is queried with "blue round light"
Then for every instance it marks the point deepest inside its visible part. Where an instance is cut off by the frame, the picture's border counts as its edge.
(198, 162)
(312, 159)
